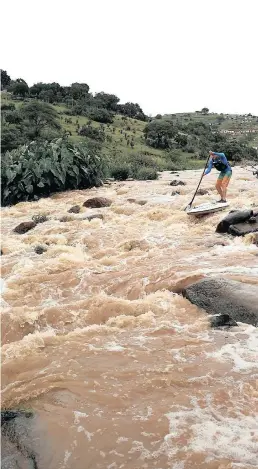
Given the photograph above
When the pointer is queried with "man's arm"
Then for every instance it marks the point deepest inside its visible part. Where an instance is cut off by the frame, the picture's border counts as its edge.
(209, 167)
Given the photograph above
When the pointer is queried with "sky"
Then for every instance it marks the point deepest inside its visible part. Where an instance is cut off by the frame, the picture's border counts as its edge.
(167, 55)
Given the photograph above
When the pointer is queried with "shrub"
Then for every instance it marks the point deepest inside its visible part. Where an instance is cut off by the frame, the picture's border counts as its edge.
(99, 115)
(144, 173)
(7, 107)
(92, 132)
(121, 172)
(40, 168)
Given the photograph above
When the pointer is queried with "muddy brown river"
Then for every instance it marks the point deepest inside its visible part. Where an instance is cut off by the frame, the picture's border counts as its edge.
(120, 370)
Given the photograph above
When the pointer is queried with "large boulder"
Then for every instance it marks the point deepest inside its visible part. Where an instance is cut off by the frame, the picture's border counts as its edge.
(220, 296)
(241, 229)
(97, 202)
(24, 227)
(233, 218)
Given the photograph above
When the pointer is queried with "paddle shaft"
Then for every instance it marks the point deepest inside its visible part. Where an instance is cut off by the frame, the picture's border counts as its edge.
(199, 182)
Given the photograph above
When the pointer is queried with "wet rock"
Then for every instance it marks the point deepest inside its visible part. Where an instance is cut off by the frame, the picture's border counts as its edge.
(91, 217)
(8, 415)
(242, 229)
(97, 202)
(175, 193)
(234, 217)
(24, 227)
(202, 192)
(18, 441)
(139, 202)
(39, 218)
(221, 296)
(40, 249)
(252, 220)
(177, 183)
(74, 209)
(223, 320)
(65, 219)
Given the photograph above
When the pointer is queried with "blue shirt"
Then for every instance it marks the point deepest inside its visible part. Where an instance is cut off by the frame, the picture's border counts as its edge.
(220, 158)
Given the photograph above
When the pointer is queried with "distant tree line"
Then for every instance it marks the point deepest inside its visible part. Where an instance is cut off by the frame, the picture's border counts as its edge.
(194, 137)
(77, 97)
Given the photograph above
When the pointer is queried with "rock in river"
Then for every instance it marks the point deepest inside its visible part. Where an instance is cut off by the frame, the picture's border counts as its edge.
(24, 227)
(177, 183)
(97, 202)
(220, 296)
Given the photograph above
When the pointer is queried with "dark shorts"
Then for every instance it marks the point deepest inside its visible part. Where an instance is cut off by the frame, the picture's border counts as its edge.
(227, 173)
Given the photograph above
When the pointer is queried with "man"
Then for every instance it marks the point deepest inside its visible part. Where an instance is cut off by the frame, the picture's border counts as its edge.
(220, 162)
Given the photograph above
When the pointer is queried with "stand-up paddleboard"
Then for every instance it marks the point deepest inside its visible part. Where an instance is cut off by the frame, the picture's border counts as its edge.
(207, 208)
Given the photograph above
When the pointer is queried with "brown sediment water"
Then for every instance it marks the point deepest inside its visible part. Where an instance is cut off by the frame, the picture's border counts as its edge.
(120, 369)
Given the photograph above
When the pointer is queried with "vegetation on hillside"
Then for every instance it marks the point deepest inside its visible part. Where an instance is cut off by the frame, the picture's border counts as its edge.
(128, 143)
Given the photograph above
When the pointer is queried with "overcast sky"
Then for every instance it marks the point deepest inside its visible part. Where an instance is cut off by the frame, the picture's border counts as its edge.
(167, 55)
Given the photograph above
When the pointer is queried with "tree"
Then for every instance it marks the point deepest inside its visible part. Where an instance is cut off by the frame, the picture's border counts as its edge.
(132, 110)
(79, 90)
(39, 116)
(5, 79)
(19, 87)
(159, 132)
(107, 101)
(205, 110)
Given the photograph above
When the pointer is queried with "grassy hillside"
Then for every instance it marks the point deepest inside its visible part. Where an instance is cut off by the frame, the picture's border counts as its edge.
(124, 138)
(243, 127)
(117, 134)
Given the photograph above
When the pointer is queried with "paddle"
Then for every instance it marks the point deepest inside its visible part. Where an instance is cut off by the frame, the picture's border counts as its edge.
(189, 205)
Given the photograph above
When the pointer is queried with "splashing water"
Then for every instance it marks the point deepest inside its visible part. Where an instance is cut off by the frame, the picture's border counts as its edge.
(122, 371)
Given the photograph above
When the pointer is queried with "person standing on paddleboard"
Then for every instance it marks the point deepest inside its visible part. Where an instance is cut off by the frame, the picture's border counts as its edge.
(220, 162)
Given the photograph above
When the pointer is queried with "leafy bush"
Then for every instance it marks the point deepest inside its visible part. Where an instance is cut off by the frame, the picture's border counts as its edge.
(40, 168)
(144, 173)
(11, 137)
(13, 117)
(7, 107)
(92, 132)
(121, 172)
(99, 115)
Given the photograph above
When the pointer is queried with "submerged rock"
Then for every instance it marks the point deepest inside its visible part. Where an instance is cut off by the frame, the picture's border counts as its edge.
(91, 217)
(220, 296)
(24, 227)
(139, 202)
(40, 249)
(202, 192)
(97, 202)
(74, 209)
(39, 218)
(223, 320)
(177, 183)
